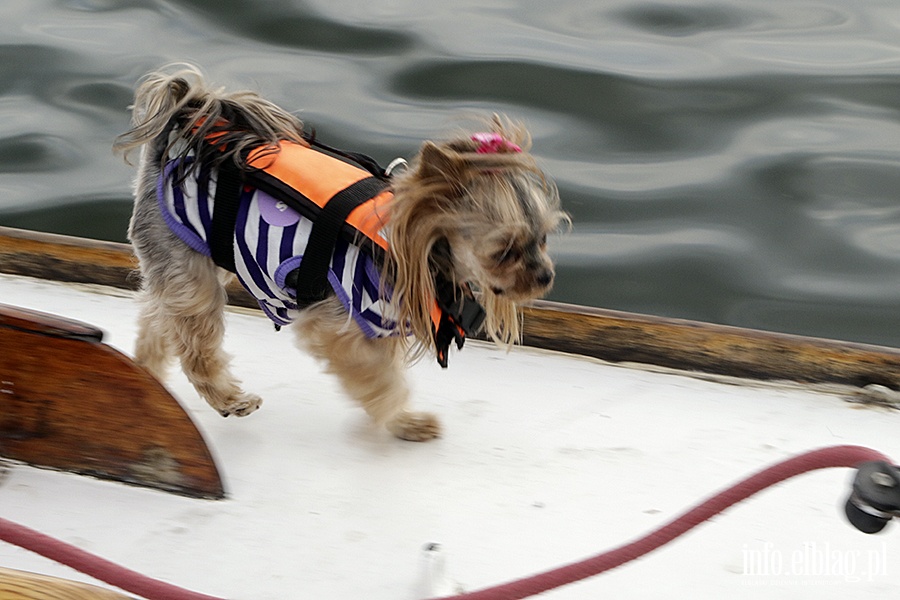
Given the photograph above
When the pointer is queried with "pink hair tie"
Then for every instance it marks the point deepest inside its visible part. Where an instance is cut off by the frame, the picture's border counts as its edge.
(491, 143)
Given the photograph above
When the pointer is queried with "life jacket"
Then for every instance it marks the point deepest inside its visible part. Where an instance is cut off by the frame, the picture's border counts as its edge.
(298, 226)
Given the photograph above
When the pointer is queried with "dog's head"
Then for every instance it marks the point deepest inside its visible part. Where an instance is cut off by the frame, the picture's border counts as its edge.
(477, 209)
(498, 240)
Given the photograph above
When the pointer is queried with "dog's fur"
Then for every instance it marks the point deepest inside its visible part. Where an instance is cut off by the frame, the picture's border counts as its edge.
(478, 218)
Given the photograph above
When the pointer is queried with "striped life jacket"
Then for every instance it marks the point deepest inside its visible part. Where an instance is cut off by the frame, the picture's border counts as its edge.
(299, 226)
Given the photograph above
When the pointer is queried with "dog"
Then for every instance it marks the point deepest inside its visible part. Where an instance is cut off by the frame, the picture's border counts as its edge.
(453, 244)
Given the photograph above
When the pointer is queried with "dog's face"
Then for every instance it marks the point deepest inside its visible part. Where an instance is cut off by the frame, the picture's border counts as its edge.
(501, 245)
(479, 210)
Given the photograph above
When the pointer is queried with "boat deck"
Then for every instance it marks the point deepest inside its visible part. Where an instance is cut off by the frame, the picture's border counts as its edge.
(547, 458)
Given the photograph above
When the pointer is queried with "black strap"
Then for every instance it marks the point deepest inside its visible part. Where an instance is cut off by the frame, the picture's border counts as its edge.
(460, 304)
(310, 279)
(229, 183)
(461, 315)
(366, 162)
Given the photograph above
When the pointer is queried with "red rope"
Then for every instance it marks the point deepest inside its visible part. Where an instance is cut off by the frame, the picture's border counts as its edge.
(135, 583)
(93, 565)
(834, 456)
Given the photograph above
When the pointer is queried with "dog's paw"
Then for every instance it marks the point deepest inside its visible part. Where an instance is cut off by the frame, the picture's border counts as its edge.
(240, 405)
(415, 426)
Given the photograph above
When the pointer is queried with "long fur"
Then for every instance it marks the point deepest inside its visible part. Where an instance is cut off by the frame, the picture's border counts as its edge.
(443, 197)
(478, 219)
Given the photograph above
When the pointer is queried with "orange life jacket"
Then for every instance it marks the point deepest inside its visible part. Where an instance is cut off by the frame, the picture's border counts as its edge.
(340, 199)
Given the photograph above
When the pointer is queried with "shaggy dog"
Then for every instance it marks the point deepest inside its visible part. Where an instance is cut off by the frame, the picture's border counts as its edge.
(405, 263)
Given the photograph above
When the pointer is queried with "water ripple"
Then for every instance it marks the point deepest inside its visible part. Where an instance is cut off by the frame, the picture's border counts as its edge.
(34, 153)
(682, 20)
(278, 23)
(729, 161)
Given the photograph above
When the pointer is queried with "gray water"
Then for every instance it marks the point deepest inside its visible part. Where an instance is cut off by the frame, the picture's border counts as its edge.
(733, 161)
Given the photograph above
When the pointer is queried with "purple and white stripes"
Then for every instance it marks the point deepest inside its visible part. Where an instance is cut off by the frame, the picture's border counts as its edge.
(269, 242)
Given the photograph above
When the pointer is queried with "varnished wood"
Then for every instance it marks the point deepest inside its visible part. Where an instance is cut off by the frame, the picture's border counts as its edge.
(21, 585)
(64, 258)
(704, 347)
(76, 260)
(71, 402)
(36, 322)
(608, 335)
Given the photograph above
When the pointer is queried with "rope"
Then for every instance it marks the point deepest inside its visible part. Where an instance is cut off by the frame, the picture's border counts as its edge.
(834, 456)
(152, 589)
(91, 564)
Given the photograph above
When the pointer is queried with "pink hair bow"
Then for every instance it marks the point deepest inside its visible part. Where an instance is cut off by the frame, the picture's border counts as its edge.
(491, 143)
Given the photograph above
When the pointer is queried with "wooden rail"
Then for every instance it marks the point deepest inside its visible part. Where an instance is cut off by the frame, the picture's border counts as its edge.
(604, 334)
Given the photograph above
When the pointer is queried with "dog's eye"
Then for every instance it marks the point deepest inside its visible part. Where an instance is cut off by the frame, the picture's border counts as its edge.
(507, 255)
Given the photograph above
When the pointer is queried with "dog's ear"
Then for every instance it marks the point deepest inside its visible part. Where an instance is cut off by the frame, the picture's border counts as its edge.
(437, 161)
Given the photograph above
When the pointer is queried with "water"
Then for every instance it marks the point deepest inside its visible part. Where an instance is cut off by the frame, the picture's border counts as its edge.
(728, 161)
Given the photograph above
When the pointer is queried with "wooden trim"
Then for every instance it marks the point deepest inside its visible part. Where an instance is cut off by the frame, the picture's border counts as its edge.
(63, 258)
(32, 321)
(71, 402)
(22, 585)
(76, 260)
(604, 334)
(707, 348)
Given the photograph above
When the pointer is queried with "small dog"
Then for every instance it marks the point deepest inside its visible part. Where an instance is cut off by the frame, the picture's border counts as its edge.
(230, 182)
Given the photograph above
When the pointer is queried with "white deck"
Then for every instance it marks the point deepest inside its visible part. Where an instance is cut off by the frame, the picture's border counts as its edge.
(546, 459)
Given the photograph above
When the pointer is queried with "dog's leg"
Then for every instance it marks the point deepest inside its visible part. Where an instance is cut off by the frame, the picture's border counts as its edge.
(153, 350)
(371, 371)
(184, 305)
(195, 306)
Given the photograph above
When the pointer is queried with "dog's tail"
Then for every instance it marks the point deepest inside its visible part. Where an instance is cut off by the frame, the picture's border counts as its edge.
(181, 106)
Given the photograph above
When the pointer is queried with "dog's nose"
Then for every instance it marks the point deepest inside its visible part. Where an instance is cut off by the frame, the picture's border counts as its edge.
(544, 278)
